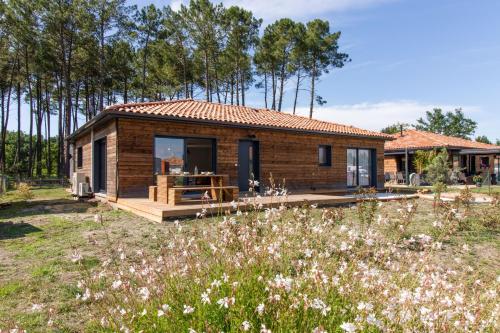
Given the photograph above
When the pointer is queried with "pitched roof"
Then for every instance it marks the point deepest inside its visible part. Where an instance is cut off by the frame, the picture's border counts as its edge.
(189, 109)
(414, 139)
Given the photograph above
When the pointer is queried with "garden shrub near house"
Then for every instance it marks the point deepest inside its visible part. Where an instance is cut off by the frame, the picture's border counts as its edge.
(438, 169)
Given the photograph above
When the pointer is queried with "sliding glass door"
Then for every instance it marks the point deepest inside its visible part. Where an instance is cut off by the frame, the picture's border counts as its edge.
(184, 154)
(360, 167)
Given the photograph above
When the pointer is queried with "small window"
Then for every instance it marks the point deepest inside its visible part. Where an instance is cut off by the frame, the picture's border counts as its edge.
(325, 155)
(79, 157)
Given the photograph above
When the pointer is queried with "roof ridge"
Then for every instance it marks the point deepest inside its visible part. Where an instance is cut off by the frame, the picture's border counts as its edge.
(242, 114)
(285, 113)
(122, 105)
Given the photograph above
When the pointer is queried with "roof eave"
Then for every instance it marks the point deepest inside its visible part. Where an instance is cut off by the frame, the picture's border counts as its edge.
(125, 114)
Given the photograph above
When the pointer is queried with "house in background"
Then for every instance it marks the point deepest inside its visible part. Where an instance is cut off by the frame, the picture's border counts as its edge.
(121, 150)
(470, 156)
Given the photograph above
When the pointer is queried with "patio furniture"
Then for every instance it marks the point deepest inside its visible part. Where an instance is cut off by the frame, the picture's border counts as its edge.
(170, 188)
(400, 179)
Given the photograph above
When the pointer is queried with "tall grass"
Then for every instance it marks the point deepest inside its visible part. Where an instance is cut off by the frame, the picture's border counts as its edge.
(291, 270)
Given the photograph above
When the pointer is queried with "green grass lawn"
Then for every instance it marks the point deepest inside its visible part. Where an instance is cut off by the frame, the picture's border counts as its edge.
(38, 238)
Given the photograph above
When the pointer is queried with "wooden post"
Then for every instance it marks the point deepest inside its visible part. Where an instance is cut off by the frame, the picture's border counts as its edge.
(407, 177)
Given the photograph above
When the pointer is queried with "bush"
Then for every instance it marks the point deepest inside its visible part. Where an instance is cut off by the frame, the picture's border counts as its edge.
(24, 191)
(438, 168)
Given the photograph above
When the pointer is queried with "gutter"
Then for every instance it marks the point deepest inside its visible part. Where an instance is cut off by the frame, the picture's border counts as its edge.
(129, 115)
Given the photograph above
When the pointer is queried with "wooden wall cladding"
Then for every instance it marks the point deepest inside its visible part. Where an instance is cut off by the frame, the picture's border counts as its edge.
(284, 154)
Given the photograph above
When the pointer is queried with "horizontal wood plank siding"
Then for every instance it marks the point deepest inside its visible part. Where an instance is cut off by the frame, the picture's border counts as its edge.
(286, 155)
(107, 130)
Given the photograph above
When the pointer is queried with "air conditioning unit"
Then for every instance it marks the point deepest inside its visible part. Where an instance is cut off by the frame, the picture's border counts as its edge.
(83, 190)
(78, 177)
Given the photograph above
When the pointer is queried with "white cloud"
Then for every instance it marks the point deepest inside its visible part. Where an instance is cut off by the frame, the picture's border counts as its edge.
(375, 116)
(273, 9)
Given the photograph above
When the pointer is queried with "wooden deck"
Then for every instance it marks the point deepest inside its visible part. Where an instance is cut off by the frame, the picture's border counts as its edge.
(158, 212)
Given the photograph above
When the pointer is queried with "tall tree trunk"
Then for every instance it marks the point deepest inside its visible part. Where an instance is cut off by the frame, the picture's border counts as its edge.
(60, 148)
(237, 89)
(282, 84)
(313, 81)
(39, 123)
(242, 89)
(297, 86)
(265, 89)
(5, 121)
(207, 78)
(125, 91)
(101, 64)
(144, 60)
(18, 148)
(47, 119)
(232, 89)
(273, 77)
(30, 96)
(2, 132)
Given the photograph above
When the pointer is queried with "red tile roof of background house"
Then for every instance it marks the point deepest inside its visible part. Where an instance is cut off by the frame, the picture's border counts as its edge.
(414, 139)
(240, 115)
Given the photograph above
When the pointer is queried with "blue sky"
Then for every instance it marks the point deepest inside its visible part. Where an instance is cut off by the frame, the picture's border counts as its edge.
(407, 57)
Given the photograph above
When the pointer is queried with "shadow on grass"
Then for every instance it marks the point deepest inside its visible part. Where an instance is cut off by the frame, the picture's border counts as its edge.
(11, 230)
(40, 207)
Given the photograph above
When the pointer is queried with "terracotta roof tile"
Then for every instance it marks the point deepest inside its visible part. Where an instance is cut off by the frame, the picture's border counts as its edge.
(414, 139)
(242, 115)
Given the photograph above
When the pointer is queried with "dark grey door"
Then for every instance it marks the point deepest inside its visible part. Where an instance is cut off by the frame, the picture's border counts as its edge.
(100, 157)
(248, 163)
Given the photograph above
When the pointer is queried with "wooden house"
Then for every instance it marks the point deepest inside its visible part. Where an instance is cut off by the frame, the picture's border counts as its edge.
(471, 157)
(122, 149)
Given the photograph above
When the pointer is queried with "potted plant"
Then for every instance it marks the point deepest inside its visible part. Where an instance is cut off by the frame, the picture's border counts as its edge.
(478, 179)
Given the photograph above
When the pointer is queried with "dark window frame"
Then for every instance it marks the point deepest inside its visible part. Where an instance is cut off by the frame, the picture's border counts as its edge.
(79, 157)
(373, 171)
(214, 148)
(328, 155)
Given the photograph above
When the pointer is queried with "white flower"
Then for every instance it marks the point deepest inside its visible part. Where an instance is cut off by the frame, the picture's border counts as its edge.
(225, 302)
(205, 299)
(36, 307)
(260, 308)
(165, 307)
(144, 312)
(188, 309)
(116, 284)
(245, 326)
(160, 312)
(348, 327)
(144, 293)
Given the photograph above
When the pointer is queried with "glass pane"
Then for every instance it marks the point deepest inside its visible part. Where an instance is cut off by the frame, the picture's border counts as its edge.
(250, 162)
(322, 155)
(365, 167)
(199, 155)
(170, 150)
(351, 167)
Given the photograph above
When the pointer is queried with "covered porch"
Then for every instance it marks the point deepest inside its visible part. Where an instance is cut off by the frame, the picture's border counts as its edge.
(399, 165)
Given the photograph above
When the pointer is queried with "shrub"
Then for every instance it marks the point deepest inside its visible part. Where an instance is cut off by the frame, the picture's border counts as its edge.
(24, 191)
(438, 168)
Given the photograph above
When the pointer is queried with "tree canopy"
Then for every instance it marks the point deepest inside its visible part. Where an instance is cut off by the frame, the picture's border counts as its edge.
(450, 123)
(69, 59)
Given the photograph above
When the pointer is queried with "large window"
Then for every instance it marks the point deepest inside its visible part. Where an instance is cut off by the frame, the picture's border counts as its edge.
(360, 167)
(184, 154)
(325, 155)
